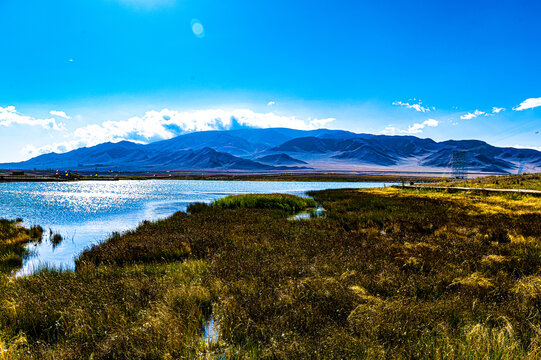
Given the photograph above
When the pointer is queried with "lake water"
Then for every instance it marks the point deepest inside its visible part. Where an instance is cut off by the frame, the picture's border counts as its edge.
(85, 213)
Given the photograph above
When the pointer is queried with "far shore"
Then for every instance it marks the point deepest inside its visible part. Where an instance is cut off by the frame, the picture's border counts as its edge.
(396, 177)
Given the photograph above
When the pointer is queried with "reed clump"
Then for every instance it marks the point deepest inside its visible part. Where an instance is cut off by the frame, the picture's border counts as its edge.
(56, 239)
(36, 233)
(14, 239)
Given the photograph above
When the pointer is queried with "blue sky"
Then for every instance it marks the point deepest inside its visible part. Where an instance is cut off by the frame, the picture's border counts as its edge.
(77, 73)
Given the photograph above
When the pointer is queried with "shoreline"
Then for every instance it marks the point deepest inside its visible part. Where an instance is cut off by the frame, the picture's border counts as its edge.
(308, 177)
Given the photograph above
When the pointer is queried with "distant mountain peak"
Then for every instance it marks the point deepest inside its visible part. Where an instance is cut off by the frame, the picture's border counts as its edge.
(282, 149)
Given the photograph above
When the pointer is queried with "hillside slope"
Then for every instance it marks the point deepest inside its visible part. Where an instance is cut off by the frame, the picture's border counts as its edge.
(279, 149)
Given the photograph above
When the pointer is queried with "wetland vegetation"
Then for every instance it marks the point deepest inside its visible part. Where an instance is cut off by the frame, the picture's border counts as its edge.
(386, 274)
(524, 181)
(287, 203)
(14, 239)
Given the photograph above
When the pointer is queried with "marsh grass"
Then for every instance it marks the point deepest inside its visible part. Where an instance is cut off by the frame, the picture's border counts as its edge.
(109, 312)
(288, 203)
(387, 274)
(13, 243)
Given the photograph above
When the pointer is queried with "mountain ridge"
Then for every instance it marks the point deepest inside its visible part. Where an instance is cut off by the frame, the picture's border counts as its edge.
(283, 149)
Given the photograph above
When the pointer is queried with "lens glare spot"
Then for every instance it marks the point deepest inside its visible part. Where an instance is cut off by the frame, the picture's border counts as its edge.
(197, 28)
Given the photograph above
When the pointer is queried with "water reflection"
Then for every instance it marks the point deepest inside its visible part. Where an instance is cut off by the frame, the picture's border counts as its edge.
(306, 215)
(84, 213)
(210, 331)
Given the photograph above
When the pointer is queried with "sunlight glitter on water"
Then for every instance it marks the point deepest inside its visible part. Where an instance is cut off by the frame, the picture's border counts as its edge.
(85, 213)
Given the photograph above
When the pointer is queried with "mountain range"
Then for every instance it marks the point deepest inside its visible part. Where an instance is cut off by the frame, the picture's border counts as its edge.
(282, 149)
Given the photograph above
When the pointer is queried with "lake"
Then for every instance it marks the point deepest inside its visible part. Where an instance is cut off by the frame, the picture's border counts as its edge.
(87, 212)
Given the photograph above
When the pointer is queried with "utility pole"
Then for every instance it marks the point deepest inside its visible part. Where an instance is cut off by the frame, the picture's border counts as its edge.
(459, 164)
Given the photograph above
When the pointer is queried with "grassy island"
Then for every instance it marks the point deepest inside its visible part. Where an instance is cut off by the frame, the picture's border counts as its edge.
(287, 203)
(386, 274)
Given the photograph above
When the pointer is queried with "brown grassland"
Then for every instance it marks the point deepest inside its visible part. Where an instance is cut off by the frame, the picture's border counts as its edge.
(385, 274)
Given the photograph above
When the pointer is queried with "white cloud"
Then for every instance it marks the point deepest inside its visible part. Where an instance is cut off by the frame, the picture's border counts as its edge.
(9, 116)
(528, 104)
(416, 107)
(431, 123)
(496, 110)
(538, 148)
(418, 127)
(472, 115)
(415, 128)
(270, 103)
(61, 147)
(61, 114)
(318, 123)
(390, 130)
(166, 124)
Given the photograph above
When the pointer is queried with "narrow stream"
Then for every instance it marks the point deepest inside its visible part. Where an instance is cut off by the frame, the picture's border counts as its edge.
(210, 331)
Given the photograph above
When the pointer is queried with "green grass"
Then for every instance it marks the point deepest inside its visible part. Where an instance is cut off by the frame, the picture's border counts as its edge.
(387, 274)
(288, 203)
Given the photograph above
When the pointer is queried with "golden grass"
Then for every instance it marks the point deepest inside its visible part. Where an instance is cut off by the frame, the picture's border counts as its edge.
(524, 181)
(529, 287)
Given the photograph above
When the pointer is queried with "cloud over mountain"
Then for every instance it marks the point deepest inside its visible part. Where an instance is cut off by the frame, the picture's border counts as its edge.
(166, 124)
(415, 128)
